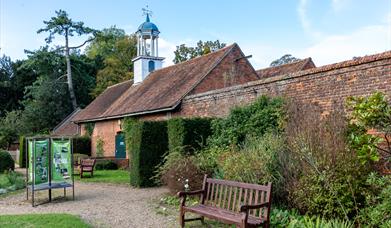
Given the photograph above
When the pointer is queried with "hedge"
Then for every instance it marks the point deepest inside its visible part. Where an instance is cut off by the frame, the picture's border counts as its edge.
(188, 134)
(147, 143)
(82, 145)
(6, 161)
(22, 152)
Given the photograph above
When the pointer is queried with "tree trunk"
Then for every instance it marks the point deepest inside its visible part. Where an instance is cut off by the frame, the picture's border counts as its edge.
(69, 73)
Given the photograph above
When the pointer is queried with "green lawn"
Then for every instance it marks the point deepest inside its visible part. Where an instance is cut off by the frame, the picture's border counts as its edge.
(107, 176)
(42, 220)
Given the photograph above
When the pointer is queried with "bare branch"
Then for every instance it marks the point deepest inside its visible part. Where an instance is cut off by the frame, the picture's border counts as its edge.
(85, 42)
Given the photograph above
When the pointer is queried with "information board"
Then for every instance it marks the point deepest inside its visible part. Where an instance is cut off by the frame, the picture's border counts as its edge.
(61, 160)
(39, 152)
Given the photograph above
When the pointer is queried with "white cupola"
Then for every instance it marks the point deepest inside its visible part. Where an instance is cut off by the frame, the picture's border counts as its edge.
(147, 59)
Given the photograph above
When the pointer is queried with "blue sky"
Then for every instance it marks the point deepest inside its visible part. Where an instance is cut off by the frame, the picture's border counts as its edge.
(326, 30)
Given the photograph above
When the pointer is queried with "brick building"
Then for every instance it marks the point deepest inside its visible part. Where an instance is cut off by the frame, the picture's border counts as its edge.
(212, 84)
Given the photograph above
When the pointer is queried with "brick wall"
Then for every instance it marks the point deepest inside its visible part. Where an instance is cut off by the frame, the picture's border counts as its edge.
(328, 86)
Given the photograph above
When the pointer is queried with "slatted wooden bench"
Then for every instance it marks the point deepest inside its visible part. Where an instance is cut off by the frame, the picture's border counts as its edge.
(230, 202)
(87, 165)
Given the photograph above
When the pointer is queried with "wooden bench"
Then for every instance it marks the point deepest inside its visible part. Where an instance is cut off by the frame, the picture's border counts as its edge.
(87, 166)
(230, 202)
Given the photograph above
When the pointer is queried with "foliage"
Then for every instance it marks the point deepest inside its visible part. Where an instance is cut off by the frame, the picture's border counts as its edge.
(179, 172)
(64, 26)
(106, 165)
(6, 161)
(259, 161)
(104, 43)
(12, 181)
(10, 127)
(377, 213)
(89, 128)
(99, 147)
(328, 179)
(254, 120)
(188, 134)
(42, 220)
(183, 53)
(82, 145)
(366, 113)
(107, 176)
(118, 64)
(147, 142)
(22, 152)
(285, 59)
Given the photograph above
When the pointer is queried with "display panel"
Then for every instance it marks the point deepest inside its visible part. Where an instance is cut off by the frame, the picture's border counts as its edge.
(61, 160)
(41, 157)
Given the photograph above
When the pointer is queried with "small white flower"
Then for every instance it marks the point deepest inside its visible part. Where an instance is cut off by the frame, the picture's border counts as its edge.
(186, 186)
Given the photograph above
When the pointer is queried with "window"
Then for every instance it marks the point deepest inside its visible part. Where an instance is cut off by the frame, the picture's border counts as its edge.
(151, 66)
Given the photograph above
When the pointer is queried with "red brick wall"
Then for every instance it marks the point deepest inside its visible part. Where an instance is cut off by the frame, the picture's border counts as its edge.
(229, 72)
(327, 86)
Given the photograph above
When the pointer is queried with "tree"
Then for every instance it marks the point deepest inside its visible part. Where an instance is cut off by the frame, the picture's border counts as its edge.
(285, 59)
(64, 26)
(104, 43)
(183, 53)
(118, 64)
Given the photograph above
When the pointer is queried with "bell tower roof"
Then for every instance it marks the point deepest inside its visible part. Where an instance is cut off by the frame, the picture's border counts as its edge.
(148, 26)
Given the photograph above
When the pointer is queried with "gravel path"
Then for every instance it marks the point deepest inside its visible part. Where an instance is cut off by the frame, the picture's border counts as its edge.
(102, 205)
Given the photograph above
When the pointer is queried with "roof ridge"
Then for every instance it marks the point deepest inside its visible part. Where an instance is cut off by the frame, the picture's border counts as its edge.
(119, 83)
(286, 64)
(69, 116)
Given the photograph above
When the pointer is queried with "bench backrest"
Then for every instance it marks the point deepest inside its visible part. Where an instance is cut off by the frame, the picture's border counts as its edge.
(88, 162)
(231, 195)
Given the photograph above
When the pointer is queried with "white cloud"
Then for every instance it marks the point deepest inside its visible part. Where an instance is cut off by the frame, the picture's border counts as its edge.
(166, 50)
(339, 5)
(304, 20)
(364, 41)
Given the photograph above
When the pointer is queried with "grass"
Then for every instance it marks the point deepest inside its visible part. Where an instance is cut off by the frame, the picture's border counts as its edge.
(42, 220)
(106, 176)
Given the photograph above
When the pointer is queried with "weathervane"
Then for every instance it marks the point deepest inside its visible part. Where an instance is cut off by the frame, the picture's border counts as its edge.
(146, 11)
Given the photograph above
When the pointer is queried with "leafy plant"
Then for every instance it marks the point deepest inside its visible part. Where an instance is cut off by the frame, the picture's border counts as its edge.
(99, 147)
(89, 128)
(6, 161)
(254, 120)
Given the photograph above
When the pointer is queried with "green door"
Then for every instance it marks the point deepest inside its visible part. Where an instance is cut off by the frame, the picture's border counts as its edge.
(120, 148)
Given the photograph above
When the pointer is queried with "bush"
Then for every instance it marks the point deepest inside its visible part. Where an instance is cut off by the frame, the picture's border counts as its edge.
(22, 152)
(254, 120)
(328, 179)
(180, 172)
(147, 142)
(259, 161)
(188, 134)
(99, 148)
(106, 165)
(82, 145)
(6, 161)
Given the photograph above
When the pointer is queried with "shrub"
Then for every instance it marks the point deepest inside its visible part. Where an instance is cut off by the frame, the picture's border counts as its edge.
(106, 165)
(6, 161)
(22, 152)
(82, 145)
(259, 161)
(254, 120)
(188, 134)
(328, 179)
(99, 147)
(15, 179)
(147, 142)
(180, 172)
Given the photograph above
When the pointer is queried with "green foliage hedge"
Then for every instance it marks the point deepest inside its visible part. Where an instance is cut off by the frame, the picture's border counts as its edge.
(106, 165)
(254, 120)
(22, 152)
(147, 143)
(188, 134)
(6, 161)
(82, 145)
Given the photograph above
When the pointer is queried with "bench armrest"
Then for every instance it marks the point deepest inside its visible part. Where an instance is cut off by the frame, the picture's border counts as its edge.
(245, 208)
(191, 193)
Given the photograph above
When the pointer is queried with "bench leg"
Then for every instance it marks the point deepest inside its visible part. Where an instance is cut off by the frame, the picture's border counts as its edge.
(182, 218)
(202, 220)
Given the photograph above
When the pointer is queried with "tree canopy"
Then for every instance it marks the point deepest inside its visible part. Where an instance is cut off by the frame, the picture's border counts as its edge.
(288, 58)
(183, 53)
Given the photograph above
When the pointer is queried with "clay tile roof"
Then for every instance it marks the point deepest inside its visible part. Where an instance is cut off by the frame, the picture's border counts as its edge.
(286, 68)
(98, 106)
(162, 90)
(67, 127)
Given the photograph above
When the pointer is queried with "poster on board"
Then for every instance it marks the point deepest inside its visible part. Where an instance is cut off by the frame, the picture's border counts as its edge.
(39, 155)
(61, 160)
